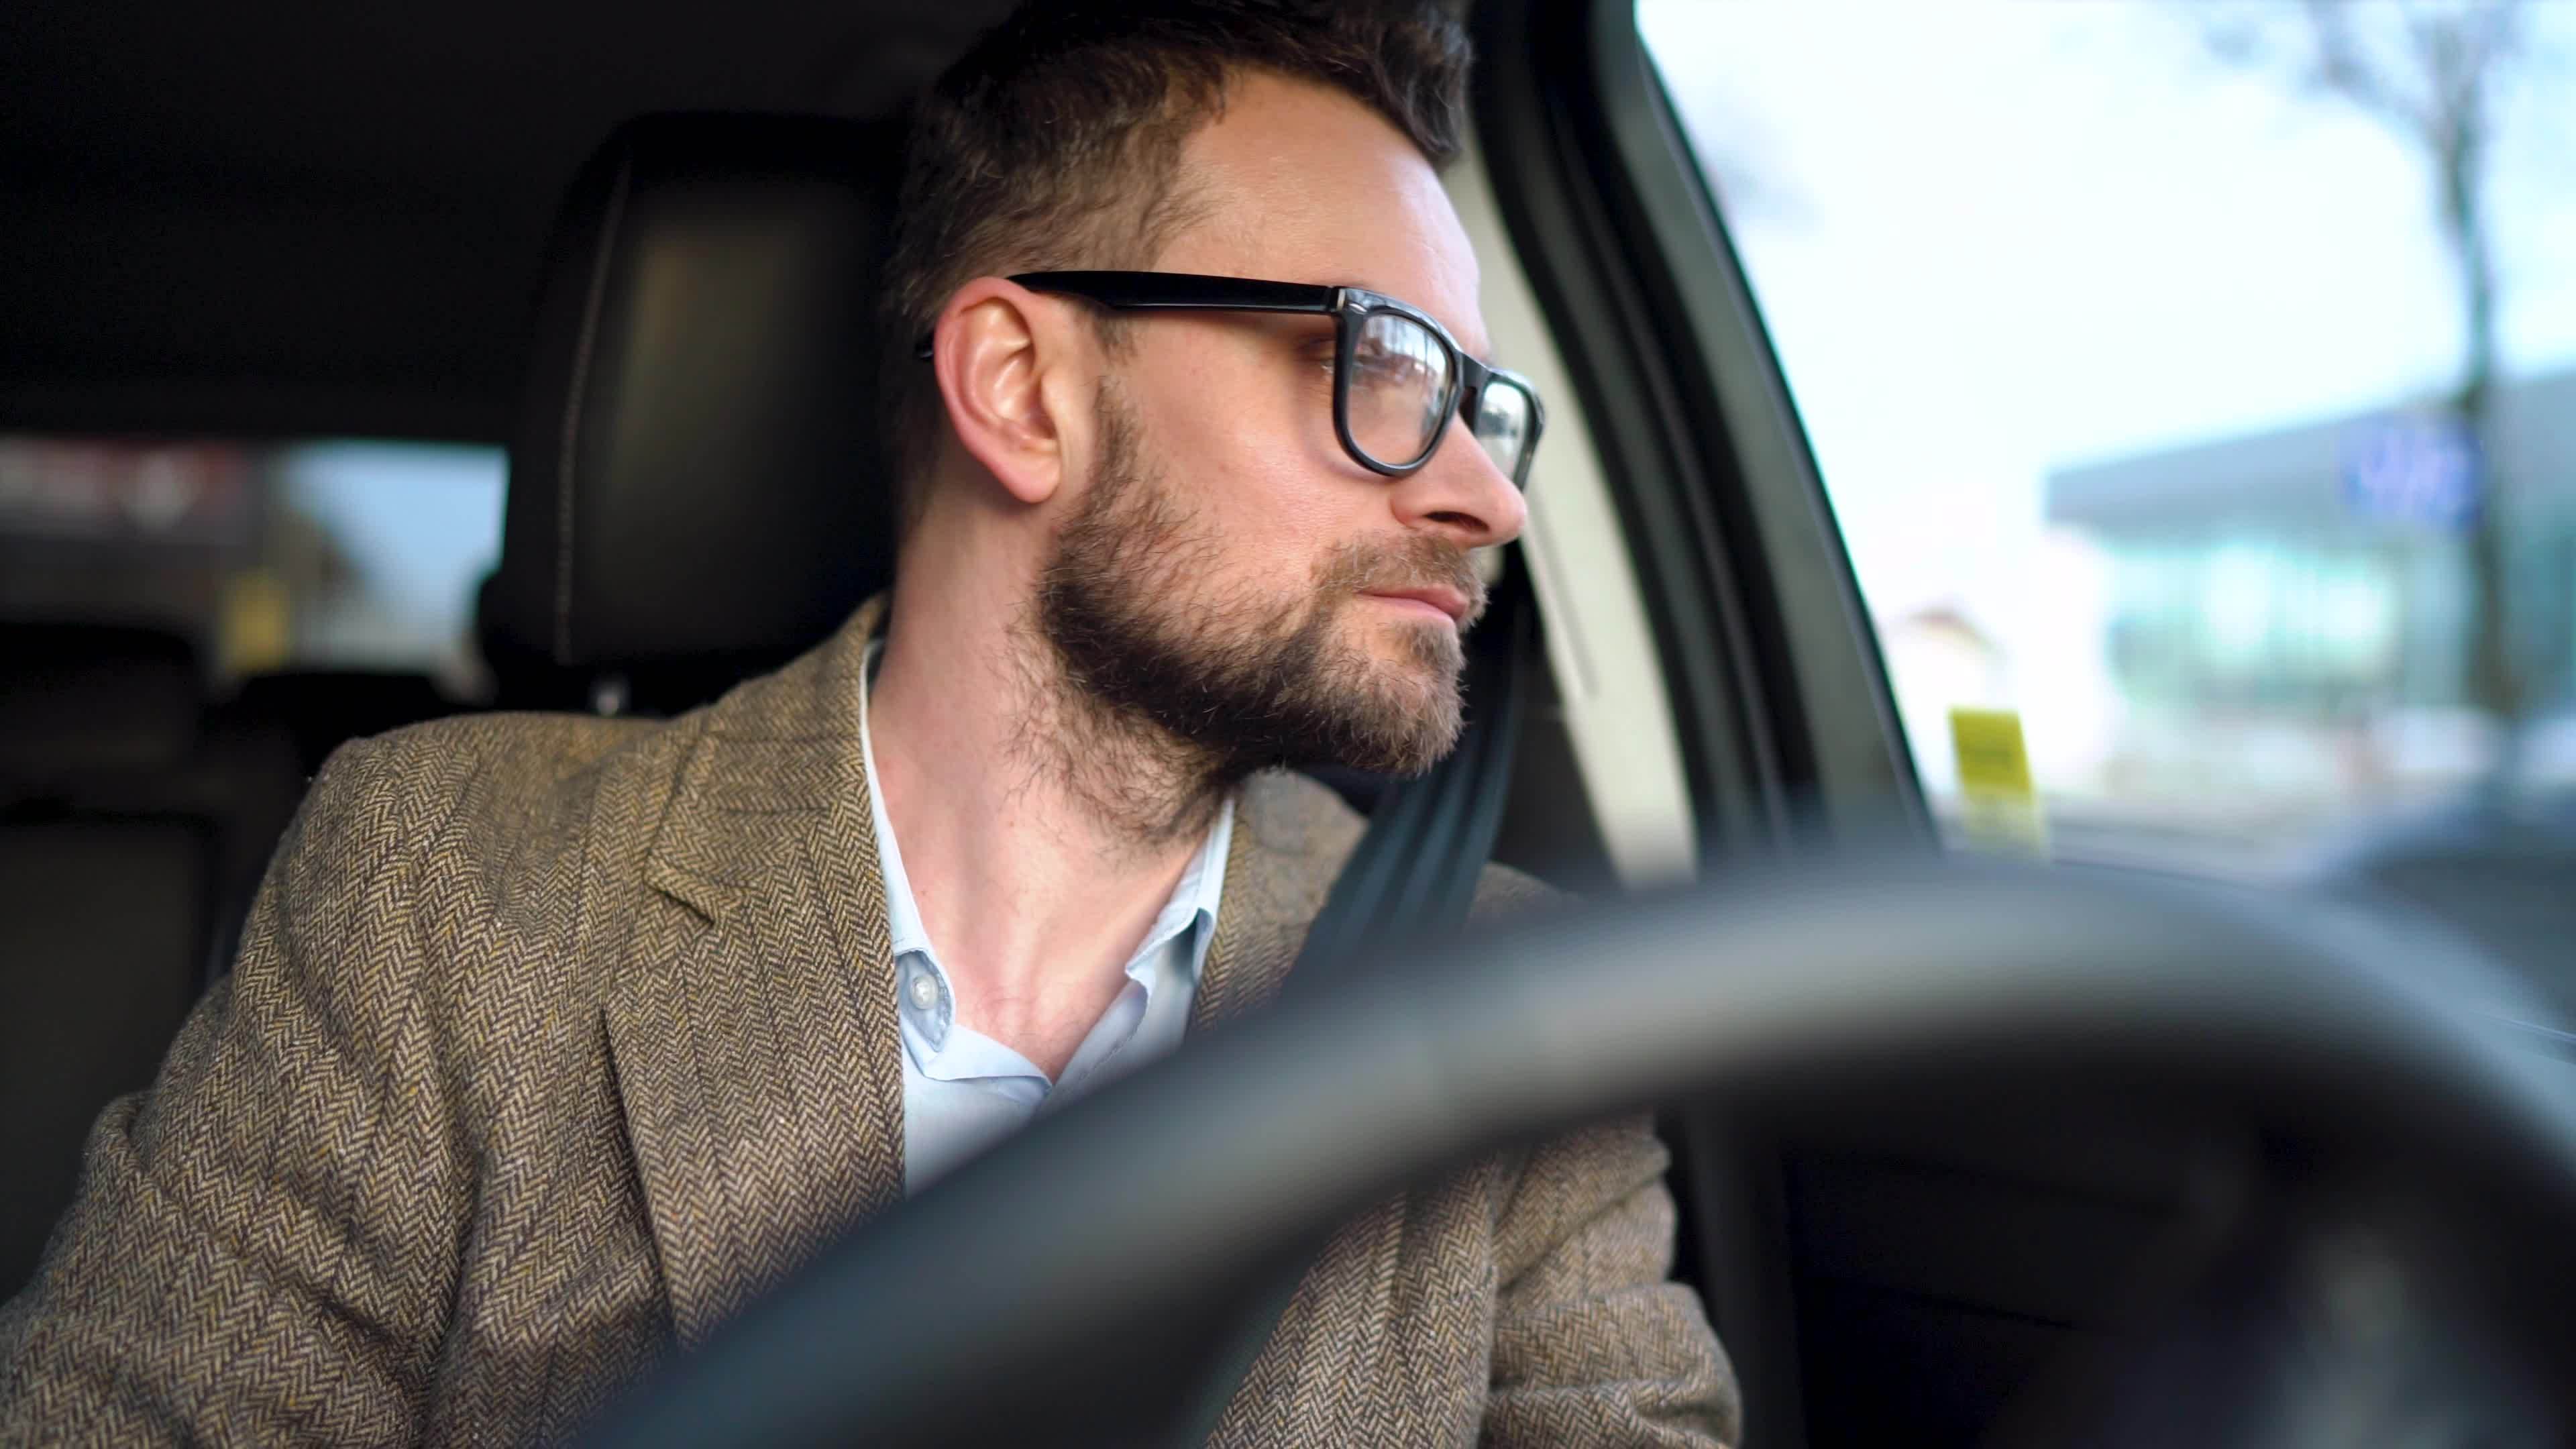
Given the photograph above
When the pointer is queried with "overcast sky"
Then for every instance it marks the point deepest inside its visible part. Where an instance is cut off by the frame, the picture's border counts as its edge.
(1991, 237)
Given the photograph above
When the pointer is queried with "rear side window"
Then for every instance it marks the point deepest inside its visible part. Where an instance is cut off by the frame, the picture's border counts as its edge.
(2148, 380)
(269, 556)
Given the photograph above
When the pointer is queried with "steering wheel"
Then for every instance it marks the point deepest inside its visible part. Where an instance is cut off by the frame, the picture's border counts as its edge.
(1016, 1302)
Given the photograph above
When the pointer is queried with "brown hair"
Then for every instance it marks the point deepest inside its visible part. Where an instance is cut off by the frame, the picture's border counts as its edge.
(1055, 143)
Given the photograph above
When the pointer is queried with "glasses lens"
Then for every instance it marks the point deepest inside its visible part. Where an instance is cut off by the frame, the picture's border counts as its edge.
(1399, 389)
(1504, 416)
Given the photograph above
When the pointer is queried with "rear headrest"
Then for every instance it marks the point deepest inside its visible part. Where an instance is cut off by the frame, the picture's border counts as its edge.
(77, 699)
(695, 488)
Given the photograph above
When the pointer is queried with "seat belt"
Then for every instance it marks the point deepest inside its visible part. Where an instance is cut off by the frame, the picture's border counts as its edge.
(1413, 875)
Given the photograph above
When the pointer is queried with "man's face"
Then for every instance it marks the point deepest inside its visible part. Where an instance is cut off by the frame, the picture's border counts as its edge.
(1229, 572)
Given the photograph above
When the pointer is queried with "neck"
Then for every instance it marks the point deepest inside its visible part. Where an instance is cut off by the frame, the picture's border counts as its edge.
(1134, 789)
(1041, 832)
(977, 710)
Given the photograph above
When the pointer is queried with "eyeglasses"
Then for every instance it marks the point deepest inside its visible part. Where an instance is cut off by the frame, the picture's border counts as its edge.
(1398, 376)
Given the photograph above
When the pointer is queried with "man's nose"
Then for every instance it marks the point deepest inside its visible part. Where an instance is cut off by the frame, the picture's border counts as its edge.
(1461, 493)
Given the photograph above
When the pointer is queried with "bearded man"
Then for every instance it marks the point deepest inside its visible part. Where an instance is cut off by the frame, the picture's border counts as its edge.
(554, 1041)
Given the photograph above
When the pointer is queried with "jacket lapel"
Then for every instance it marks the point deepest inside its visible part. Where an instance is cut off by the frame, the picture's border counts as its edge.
(1291, 836)
(754, 1021)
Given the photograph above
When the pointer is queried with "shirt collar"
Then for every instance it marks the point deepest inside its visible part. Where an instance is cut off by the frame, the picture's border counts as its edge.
(1192, 908)
(1195, 899)
(903, 918)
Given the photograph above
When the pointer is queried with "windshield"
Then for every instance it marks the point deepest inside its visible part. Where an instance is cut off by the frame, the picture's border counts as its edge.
(2195, 386)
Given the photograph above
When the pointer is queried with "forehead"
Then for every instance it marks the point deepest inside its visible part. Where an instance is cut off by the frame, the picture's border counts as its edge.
(1298, 183)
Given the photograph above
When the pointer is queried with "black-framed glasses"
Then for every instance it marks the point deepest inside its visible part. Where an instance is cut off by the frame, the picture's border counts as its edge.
(1398, 376)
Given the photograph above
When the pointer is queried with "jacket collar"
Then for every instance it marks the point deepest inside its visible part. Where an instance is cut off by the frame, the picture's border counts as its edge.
(754, 1020)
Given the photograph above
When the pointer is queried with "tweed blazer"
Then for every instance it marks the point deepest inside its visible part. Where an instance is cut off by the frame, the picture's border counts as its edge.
(554, 1041)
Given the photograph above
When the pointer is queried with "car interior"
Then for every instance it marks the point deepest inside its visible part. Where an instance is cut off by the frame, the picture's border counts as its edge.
(634, 246)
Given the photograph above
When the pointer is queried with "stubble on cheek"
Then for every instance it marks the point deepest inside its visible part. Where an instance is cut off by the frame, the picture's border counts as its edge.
(1160, 619)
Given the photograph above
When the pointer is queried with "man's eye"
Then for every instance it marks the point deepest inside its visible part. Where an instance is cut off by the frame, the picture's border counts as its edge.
(1386, 365)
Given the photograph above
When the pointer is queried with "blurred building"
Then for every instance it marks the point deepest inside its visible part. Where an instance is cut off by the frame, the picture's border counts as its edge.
(2319, 572)
(128, 532)
(263, 555)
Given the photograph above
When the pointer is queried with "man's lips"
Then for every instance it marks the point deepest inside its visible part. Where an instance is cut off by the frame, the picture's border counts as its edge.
(1447, 601)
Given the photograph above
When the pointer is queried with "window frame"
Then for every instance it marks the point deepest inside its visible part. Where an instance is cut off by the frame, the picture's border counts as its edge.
(1788, 731)
(1788, 727)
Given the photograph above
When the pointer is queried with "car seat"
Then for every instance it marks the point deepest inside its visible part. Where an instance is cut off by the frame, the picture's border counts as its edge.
(112, 864)
(696, 492)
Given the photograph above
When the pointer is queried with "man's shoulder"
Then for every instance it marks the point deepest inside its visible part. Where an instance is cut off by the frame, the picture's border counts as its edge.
(488, 794)
(440, 858)
(1504, 891)
(1298, 815)
(525, 758)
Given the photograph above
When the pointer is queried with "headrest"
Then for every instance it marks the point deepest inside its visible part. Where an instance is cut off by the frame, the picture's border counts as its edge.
(695, 487)
(77, 699)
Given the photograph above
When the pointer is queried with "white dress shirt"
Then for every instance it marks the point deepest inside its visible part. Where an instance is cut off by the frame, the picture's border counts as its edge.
(962, 1090)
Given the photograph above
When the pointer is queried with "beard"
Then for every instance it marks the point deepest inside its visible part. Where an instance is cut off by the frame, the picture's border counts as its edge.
(1155, 624)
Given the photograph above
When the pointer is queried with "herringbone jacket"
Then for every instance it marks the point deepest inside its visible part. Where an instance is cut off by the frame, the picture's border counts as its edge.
(554, 1041)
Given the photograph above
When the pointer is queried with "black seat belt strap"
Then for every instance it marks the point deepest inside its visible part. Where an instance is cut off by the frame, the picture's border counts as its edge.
(1413, 874)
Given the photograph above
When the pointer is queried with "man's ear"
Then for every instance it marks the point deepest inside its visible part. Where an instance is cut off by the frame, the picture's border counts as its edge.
(997, 350)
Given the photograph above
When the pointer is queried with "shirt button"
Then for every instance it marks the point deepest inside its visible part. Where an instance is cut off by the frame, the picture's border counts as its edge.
(925, 992)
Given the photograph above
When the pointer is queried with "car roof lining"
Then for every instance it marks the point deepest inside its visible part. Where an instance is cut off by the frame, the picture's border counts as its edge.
(296, 217)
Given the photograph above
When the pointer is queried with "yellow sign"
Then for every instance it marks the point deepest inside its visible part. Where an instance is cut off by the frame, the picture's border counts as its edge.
(255, 632)
(1999, 805)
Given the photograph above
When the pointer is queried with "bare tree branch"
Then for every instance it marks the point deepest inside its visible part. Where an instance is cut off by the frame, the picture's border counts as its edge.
(2433, 78)
(2338, 65)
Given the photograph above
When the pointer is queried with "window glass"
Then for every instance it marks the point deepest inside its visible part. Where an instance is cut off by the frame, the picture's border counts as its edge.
(303, 555)
(2162, 399)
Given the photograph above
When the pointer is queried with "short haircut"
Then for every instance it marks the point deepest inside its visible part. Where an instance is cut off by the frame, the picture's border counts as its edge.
(1055, 143)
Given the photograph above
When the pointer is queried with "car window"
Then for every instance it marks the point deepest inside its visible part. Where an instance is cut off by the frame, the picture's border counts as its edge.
(269, 556)
(2188, 443)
